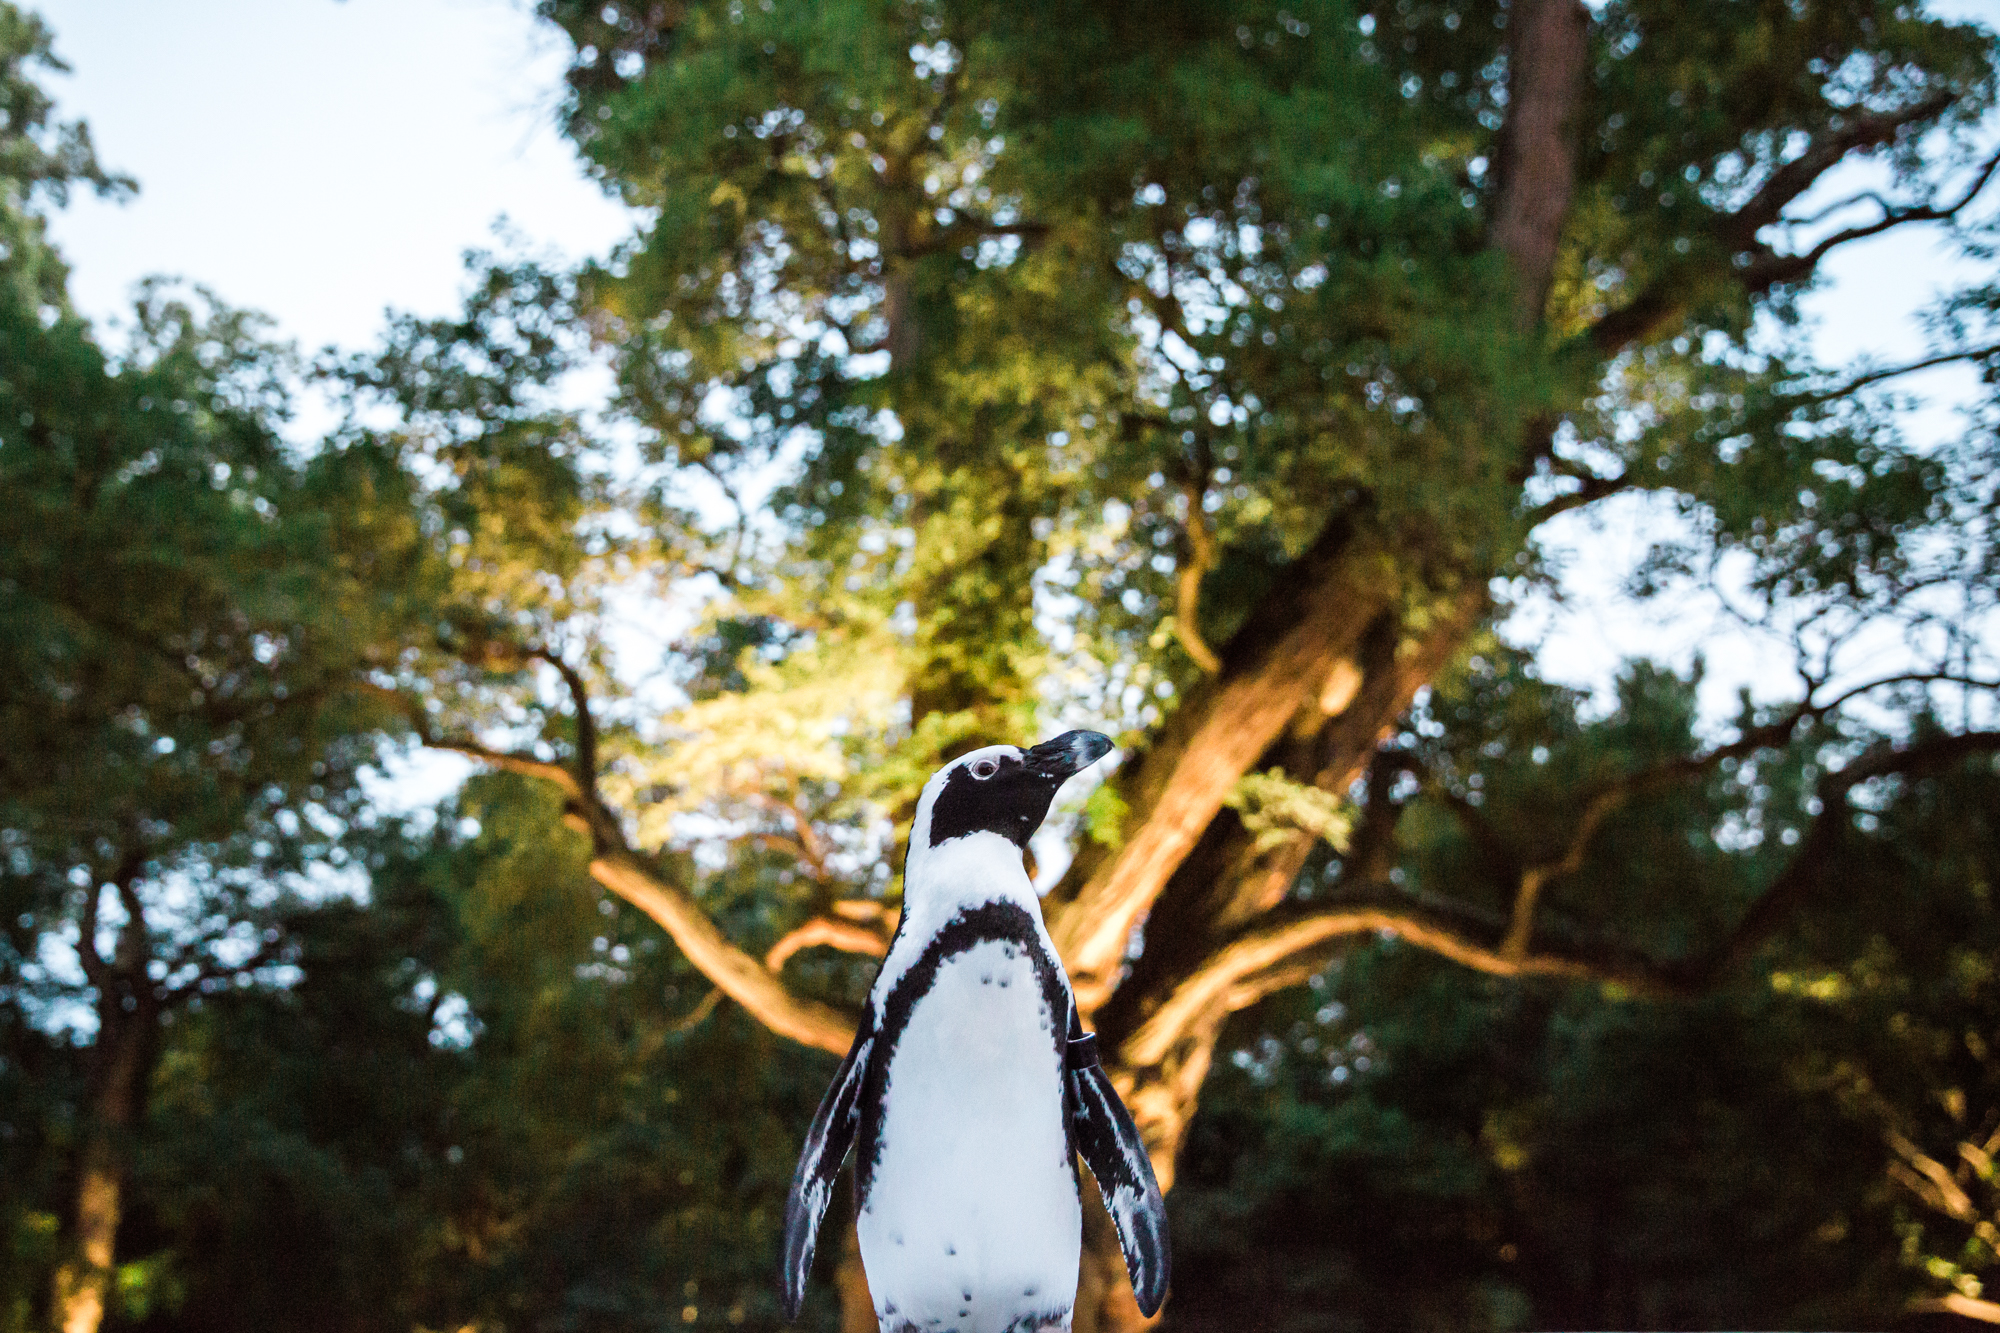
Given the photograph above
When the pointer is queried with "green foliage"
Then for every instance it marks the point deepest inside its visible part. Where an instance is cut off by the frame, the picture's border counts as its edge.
(40, 161)
(1014, 299)
(482, 1100)
(1271, 805)
(1410, 1145)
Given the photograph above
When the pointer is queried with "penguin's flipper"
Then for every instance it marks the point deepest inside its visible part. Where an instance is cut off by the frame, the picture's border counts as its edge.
(1109, 1144)
(827, 1142)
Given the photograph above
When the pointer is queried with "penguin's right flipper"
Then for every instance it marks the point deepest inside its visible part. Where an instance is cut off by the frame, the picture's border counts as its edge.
(827, 1142)
(1110, 1146)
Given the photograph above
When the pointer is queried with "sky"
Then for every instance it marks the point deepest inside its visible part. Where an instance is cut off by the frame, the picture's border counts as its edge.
(318, 160)
(322, 160)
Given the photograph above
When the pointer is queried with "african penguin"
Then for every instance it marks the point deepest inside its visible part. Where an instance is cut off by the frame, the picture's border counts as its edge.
(972, 1087)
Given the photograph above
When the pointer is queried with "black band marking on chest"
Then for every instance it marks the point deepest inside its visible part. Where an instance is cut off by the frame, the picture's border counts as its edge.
(1002, 921)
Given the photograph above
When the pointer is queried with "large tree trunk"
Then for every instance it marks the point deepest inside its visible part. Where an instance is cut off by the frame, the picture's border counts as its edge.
(121, 1064)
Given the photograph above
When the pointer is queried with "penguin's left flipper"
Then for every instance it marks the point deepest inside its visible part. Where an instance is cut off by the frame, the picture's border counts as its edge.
(827, 1142)
(1109, 1144)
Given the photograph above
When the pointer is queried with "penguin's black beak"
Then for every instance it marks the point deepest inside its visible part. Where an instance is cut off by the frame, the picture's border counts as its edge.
(1063, 758)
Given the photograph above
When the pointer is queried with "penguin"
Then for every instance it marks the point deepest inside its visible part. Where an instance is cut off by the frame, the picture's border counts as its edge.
(972, 1088)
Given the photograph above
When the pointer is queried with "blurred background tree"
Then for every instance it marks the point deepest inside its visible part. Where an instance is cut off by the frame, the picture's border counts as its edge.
(1209, 374)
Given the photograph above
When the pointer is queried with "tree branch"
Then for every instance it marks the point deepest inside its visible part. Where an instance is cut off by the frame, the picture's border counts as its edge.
(1201, 559)
(1862, 381)
(734, 972)
(1818, 850)
(1537, 152)
(267, 951)
(1275, 953)
(1969, 1307)
(1590, 489)
(527, 765)
(1530, 877)
(131, 954)
(1664, 299)
(616, 867)
(1274, 665)
(95, 969)
(1775, 269)
(811, 848)
(1794, 178)
(847, 936)
(586, 726)
(1296, 949)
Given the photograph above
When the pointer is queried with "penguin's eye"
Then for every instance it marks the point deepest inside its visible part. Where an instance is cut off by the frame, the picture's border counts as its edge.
(984, 768)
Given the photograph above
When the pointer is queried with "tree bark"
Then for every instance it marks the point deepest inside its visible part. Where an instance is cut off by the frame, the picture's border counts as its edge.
(1537, 160)
(857, 1305)
(1279, 663)
(121, 1066)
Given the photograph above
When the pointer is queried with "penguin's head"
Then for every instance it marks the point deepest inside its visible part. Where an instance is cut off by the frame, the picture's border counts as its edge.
(1001, 789)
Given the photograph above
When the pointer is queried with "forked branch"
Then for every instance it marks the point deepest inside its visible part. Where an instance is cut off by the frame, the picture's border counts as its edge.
(1532, 877)
(1278, 952)
(616, 866)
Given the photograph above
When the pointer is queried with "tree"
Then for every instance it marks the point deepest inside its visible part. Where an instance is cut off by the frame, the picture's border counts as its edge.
(1208, 373)
(1411, 1143)
(484, 1097)
(181, 632)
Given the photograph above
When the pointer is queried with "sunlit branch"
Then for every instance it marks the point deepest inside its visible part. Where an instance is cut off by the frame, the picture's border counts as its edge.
(1275, 665)
(847, 936)
(1970, 1307)
(739, 976)
(1947, 1191)
(1296, 948)
(618, 868)
(1935, 1185)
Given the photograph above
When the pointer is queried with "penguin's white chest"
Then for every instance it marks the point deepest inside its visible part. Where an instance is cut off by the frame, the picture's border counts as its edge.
(972, 1223)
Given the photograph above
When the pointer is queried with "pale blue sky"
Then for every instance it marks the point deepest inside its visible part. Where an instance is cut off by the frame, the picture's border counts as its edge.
(317, 160)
